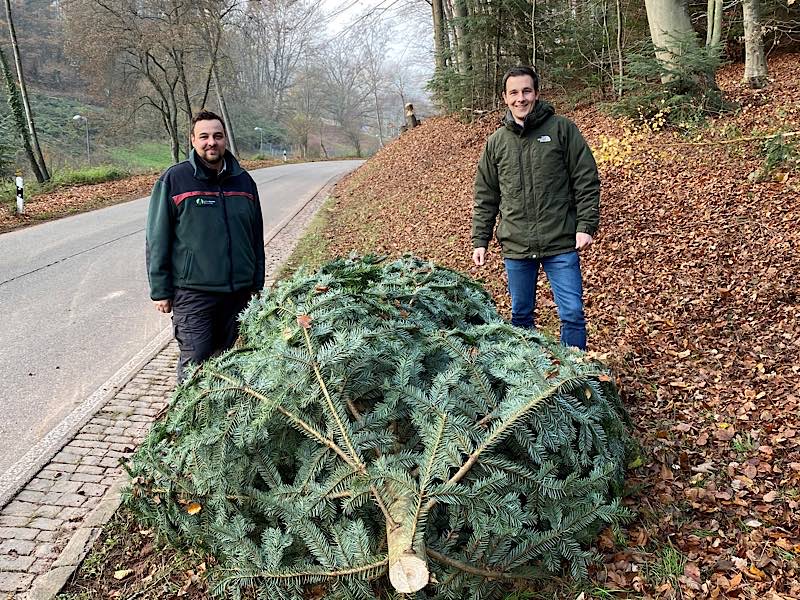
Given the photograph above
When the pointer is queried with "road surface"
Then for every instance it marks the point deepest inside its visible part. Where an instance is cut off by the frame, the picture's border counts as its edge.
(74, 302)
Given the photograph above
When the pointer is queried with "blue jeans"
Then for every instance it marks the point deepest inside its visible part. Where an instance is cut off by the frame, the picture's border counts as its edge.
(564, 274)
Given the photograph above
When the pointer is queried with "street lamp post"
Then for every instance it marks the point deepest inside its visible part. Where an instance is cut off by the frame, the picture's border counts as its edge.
(78, 119)
(261, 140)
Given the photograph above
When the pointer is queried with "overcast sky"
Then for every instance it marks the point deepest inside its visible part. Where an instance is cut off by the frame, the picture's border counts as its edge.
(410, 19)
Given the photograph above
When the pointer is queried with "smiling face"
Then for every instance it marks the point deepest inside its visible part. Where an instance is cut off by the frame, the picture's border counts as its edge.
(209, 141)
(520, 96)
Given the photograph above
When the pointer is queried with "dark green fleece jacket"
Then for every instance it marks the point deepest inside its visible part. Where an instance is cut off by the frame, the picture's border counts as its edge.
(204, 230)
(541, 179)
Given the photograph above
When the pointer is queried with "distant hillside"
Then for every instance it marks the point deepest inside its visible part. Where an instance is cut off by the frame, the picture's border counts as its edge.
(40, 31)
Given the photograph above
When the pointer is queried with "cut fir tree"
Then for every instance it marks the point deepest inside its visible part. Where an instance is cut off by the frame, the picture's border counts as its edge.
(382, 431)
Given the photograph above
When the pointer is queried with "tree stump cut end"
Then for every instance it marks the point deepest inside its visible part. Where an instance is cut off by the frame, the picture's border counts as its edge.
(408, 574)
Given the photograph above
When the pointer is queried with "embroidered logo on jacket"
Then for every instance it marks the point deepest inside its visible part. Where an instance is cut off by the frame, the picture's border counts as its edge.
(544, 138)
(205, 202)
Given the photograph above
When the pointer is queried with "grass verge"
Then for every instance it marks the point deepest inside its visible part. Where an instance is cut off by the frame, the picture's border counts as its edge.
(312, 248)
(129, 562)
(61, 179)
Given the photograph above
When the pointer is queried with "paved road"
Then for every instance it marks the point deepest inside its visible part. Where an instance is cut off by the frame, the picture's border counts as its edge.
(74, 303)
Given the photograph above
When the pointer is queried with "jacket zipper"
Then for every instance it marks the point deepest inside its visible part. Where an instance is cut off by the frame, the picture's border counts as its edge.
(230, 241)
(524, 182)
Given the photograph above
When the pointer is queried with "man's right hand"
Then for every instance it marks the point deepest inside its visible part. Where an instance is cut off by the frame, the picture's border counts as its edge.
(479, 256)
(163, 306)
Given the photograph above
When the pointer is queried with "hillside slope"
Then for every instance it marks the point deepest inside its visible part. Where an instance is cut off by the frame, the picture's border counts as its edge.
(692, 295)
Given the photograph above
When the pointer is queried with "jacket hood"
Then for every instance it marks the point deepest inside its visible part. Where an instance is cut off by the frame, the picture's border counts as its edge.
(542, 111)
(232, 167)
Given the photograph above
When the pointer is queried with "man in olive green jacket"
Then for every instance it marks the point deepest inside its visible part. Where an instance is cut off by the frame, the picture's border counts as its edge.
(538, 174)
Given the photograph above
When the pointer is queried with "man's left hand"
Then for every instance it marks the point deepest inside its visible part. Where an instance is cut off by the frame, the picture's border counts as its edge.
(582, 241)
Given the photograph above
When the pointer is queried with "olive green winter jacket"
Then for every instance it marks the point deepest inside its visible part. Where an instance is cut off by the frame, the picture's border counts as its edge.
(542, 181)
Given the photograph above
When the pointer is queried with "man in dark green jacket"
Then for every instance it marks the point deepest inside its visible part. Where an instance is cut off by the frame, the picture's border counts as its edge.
(205, 243)
(539, 176)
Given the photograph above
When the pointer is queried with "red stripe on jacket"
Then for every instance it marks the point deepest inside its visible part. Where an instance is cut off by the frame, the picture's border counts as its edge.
(181, 197)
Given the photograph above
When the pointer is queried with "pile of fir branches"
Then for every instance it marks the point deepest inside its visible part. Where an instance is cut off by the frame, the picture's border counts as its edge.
(381, 418)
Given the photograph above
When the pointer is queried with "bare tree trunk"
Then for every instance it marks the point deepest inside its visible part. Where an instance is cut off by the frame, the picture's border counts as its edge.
(223, 107)
(460, 11)
(174, 142)
(23, 90)
(669, 24)
(755, 65)
(438, 34)
(619, 46)
(378, 115)
(17, 113)
(714, 17)
(533, 34)
(186, 101)
(606, 46)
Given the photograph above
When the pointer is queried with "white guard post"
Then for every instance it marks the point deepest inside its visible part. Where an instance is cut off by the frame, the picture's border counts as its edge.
(20, 196)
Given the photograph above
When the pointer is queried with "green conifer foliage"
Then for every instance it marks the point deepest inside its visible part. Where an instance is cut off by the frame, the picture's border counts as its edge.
(382, 396)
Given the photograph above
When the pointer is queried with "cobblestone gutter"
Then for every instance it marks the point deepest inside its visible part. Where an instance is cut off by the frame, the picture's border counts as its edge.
(48, 527)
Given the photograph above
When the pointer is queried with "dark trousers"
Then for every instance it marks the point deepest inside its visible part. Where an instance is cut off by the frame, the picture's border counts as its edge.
(205, 324)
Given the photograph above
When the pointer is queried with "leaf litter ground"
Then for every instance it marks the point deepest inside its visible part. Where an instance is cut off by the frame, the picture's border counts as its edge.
(691, 295)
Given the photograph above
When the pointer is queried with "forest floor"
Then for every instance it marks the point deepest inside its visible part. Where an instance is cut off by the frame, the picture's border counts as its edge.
(692, 296)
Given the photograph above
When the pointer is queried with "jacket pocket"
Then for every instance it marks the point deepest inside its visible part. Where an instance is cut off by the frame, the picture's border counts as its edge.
(187, 265)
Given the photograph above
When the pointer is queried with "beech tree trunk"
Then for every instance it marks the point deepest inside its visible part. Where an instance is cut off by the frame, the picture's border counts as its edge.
(669, 24)
(755, 64)
(23, 90)
(714, 18)
(533, 34)
(438, 34)
(619, 47)
(462, 47)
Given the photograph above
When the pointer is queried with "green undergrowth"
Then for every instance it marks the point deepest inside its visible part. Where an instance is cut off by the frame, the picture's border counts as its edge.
(150, 156)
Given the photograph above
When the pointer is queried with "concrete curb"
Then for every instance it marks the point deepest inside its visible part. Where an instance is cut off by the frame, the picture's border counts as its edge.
(47, 585)
(324, 191)
(13, 480)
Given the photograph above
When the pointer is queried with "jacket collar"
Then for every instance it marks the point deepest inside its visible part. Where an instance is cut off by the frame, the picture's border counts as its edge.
(202, 172)
(542, 111)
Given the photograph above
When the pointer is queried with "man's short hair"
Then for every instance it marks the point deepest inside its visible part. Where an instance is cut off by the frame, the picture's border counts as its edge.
(519, 72)
(207, 115)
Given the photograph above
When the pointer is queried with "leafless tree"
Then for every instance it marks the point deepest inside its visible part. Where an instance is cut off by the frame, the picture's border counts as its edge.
(755, 64)
(41, 172)
(347, 91)
(274, 39)
(156, 50)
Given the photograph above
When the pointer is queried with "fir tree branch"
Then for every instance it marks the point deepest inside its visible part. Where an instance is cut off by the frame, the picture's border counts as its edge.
(334, 413)
(356, 459)
(426, 474)
(461, 566)
(377, 567)
(499, 431)
(470, 363)
(292, 417)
